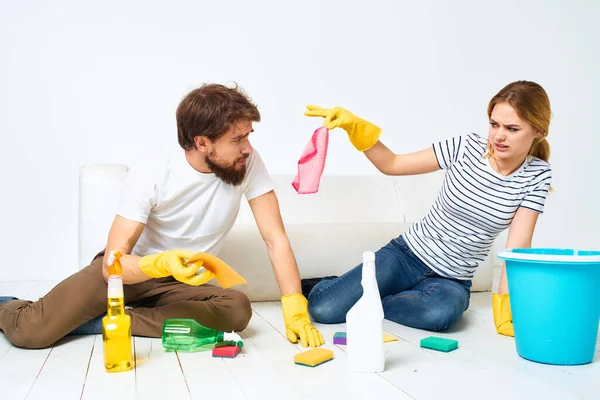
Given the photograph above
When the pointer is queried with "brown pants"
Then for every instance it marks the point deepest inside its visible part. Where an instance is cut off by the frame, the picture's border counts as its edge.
(82, 297)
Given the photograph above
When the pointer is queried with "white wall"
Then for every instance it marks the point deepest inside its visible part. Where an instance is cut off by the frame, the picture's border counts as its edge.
(83, 83)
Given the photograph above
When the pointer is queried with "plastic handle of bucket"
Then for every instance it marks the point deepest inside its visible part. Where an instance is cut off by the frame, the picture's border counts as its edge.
(551, 255)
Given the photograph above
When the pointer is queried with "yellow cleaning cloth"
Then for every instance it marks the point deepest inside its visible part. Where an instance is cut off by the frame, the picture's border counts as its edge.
(224, 274)
(314, 357)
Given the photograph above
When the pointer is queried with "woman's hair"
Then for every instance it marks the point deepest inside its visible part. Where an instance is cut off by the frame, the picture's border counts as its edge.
(531, 104)
(210, 110)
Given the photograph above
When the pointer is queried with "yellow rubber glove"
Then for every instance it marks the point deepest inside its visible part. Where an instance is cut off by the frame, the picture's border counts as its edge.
(175, 263)
(297, 321)
(363, 134)
(502, 314)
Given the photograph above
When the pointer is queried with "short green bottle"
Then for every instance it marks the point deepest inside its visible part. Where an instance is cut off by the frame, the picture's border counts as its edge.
(188, 335)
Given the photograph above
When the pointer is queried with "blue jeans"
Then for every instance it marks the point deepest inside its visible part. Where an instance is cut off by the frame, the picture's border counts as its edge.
(411, 293)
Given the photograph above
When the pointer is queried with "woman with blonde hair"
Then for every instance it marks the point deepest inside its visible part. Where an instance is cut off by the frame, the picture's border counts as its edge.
(491, 184)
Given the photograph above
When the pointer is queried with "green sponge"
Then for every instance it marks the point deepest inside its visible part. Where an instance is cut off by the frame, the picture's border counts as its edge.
(438, 343)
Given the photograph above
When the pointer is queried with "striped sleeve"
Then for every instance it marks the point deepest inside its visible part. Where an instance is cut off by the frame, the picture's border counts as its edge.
(449, 151)
(536, 197)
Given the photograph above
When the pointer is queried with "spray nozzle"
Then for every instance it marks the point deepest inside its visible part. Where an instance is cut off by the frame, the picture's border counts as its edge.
(233, 337)
(114, 263)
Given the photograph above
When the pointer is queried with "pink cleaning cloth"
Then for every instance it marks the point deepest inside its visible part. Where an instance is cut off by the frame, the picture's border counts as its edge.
(312, 163)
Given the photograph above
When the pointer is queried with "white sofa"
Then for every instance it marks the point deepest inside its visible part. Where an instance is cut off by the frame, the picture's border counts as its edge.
(328, 230)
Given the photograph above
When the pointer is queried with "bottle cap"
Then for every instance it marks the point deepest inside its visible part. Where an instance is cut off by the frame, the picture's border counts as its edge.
(233, 337)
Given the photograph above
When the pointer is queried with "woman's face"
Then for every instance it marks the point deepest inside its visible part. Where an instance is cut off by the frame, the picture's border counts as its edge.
(510, 136)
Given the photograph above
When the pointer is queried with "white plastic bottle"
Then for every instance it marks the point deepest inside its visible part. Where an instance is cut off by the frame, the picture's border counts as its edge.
(364, 324)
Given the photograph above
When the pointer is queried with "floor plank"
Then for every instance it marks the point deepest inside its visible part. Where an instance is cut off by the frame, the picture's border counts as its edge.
(500, 351)
(5, 346)
(209, 377)
(331, 379)
(65, 369)
(257, 377)
(263, 373)
(28, 363)
(100, 385)
(19, 369)
(482, 349)
(158, 372)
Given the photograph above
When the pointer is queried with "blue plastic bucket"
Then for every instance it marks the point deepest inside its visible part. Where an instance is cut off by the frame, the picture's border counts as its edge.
(555, 303)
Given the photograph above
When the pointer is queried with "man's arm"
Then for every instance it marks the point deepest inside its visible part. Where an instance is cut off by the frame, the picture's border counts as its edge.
(124, 234)
(268, 219)
(293, 304)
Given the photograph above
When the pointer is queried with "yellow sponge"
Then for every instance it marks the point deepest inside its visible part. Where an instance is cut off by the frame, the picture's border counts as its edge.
(314, 357)
(389, 338)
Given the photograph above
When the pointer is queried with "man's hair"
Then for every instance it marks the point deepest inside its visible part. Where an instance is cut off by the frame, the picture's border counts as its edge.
(210, 110)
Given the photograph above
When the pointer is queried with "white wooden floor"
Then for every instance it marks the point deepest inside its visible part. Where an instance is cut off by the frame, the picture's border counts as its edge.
(485, 366)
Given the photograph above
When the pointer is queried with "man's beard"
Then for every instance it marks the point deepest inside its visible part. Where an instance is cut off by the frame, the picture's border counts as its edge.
(229, 174)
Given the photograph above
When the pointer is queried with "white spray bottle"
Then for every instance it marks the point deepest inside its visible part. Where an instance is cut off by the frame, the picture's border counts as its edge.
(364, 324)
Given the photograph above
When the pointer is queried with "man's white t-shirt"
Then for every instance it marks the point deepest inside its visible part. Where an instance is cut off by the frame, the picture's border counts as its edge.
(186, 209)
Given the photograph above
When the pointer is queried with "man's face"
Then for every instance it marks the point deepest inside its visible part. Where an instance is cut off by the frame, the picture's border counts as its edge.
(227, 155)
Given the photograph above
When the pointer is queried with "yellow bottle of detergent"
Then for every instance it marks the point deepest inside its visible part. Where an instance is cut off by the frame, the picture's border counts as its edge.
(116, 325)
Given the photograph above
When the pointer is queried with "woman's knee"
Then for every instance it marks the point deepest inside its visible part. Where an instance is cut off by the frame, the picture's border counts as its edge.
(442, 317)
(414, 310)
(325, 311)
(445, 306)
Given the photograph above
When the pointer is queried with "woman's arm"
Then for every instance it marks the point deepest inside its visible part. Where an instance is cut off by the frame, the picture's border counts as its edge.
(389, 163)
(364, 136)
(520, 234)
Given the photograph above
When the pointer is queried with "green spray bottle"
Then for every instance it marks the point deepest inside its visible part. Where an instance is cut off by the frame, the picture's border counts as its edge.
(187, 335)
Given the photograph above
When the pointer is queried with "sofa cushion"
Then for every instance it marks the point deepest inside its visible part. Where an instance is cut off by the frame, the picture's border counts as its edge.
(321, 249)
